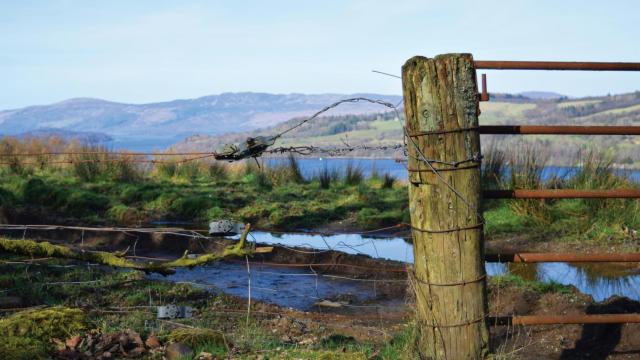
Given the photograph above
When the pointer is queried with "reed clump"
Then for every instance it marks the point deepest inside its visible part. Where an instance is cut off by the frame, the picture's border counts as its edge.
(585, 219)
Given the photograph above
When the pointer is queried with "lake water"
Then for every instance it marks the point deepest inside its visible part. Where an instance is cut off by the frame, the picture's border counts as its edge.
(313, 166)
(300, 288)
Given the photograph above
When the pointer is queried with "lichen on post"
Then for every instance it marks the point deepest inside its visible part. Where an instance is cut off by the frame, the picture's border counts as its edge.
(441, 108)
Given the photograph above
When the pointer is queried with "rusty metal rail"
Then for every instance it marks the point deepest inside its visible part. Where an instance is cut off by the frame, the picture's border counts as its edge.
(562, 194)
(562, 257)
(564, 319)
(557, 65)
(558, 130)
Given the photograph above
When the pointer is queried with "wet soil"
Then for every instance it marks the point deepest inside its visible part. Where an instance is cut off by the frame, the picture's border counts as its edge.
(362, 323)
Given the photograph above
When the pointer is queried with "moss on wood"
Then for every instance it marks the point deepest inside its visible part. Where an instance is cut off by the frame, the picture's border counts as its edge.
(34, 248)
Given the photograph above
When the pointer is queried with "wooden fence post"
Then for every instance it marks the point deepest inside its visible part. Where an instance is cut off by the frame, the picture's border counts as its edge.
(441, 108)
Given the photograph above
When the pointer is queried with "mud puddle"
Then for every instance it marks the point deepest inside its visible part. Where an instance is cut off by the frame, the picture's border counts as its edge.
(301, 288)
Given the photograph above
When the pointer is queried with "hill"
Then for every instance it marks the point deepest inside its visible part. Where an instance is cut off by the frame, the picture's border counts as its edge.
(171, 121)
(385, 129)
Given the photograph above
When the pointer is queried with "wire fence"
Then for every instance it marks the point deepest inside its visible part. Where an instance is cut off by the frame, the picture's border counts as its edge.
(312, 287)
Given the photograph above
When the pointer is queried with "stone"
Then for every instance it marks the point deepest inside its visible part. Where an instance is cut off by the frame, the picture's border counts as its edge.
(135, 338)
(73, 342)
(152, 342)
(176, 351)
(205, 356)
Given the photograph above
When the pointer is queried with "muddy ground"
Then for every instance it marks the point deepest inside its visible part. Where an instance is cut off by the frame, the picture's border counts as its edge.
(311, 327)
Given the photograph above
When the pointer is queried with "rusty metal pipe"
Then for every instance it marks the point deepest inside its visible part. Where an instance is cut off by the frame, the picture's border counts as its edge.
(484, 95)
(558, 130)
(564, 319)
(562, 194)
(557, 65)
(562, 257)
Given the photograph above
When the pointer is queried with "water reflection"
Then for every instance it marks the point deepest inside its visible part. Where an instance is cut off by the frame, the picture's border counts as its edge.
(601, 281)
(295, 288)
(598, 280)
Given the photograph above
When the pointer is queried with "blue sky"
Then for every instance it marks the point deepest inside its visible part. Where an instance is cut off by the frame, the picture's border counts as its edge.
(153, 50)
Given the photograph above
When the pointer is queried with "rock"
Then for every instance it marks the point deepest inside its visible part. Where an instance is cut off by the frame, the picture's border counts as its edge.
(152, 342)
(135, 338)
(308, 341)
(73, 342)
(328, 303)
(136, 352)
(205, 356)
(178, 350)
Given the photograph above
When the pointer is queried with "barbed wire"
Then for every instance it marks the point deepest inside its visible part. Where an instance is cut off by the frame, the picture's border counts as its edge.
(334, 105)
(123, 153)
(306, 150)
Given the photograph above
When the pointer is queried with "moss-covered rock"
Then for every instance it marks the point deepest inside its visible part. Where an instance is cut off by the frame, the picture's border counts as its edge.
(44, 324)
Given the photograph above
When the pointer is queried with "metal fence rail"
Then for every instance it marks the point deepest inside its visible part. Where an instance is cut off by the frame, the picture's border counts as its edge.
(559, 193)
(562, 257)
(557, 65)
(558, 130)
(562, 194)
(565, 319)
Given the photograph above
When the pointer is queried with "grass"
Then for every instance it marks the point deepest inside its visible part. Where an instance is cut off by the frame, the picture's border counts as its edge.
(616, 111)
(535, 286)
(281, 198)
(584, 220)
(276, 197)
(130, 292)
(577, 103)
(494, 112)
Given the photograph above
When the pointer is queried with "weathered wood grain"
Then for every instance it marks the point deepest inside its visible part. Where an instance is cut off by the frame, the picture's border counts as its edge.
(441, 94)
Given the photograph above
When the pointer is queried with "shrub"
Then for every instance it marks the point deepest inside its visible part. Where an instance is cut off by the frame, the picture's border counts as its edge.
(285, 173)
(166, 170)
(259, 179)
(215, 213)
(293, 168)
(387, 181)
(81, 202)
(189, 207)
(123, 214)
(527, 166)
(326, 177)
(218, 171)
(37, 192)
(195, 337)
(189, 170)
(493, 168)
(353, 175)
(123, 169)
(6, 197)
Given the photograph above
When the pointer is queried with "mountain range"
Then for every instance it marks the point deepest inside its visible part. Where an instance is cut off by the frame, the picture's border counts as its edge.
(384, 129)
(212, 115)
(209, 122)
